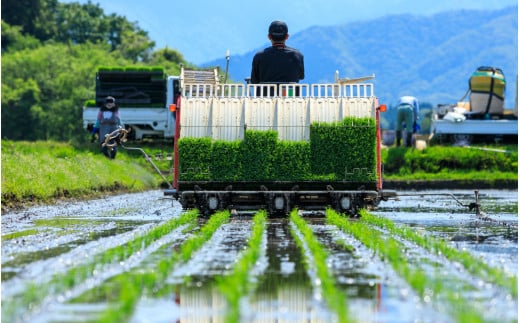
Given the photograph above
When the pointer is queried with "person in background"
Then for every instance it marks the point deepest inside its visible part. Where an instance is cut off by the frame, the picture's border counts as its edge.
(108, 120)
(407, 114)
(278, 63)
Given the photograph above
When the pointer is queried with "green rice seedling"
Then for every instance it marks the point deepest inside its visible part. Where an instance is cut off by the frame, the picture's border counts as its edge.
(292, 160)
(237, 284)
(34, 293)
(62, 222)
(226, 160)
(19, 234)
(335, 299)
(391, 250)
(473, 264)
(206, 232)
(192, 244)
(261, 156)
(195, 158)
(352, 137)
(345, 246)
(128, 296)
(257, 149)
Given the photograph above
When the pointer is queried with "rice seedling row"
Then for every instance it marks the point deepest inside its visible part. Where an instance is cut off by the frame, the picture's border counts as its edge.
(237, 285)
(431, 285)
(123, 291)
(477, 292)
(129, 288)
(473, 264)
(317, 263)
(106, 281)
(40, 270)
(23, 252)
(375, 291)
(36, 293)
(135, 261)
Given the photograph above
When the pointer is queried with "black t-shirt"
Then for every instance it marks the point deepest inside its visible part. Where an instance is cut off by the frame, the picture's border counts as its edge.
(277, 64)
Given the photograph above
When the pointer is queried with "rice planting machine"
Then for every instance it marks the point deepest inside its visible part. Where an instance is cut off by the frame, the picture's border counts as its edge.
(276, 146)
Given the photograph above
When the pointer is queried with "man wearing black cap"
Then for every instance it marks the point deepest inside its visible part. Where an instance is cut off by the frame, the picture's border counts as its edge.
(278, 63)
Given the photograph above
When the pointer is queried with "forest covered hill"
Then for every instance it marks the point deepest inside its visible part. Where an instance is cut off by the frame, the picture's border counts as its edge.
(431, 57)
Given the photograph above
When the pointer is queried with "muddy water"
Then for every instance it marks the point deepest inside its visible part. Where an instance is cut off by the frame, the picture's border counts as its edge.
(493, 235)
(285, 292)
(375, 291)
(40, 242)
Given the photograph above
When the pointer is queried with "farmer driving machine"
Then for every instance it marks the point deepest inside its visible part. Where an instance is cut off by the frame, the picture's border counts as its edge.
(276, 146)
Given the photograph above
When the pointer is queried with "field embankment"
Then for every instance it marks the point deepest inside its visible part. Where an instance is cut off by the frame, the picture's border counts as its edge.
(41, 172)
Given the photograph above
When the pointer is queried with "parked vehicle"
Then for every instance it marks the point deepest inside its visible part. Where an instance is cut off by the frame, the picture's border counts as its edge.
(483, 117)
(145, 96)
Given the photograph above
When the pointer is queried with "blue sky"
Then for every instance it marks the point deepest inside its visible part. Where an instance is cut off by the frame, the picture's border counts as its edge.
(203, 30)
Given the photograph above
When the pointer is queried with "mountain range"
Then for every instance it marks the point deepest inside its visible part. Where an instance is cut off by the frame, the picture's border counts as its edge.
(430, 57)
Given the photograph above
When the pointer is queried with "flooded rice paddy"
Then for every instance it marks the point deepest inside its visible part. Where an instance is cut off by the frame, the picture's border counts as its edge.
(139, 258)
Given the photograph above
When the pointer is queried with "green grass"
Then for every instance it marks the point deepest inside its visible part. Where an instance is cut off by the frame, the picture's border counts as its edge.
(450, 163)
(448, 174)
(44, 171)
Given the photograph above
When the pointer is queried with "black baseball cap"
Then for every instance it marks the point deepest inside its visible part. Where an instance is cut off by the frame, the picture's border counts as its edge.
(278, 29)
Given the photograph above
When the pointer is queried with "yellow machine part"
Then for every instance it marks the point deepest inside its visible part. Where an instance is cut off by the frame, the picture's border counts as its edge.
(488, 81)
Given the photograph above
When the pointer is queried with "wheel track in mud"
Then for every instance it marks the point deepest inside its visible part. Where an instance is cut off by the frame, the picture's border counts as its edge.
(231, 242)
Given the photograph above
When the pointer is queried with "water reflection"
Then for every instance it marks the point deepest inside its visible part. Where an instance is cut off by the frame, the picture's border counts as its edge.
(284, 292)
(375, 293)
(494, 236)
(53, 243)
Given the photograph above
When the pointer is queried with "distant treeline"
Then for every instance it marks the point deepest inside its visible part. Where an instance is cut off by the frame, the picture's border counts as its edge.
(50, 53)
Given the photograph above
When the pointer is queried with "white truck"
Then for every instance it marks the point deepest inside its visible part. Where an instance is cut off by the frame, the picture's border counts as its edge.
(146, 98)
(449, 122)
(483, 117)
